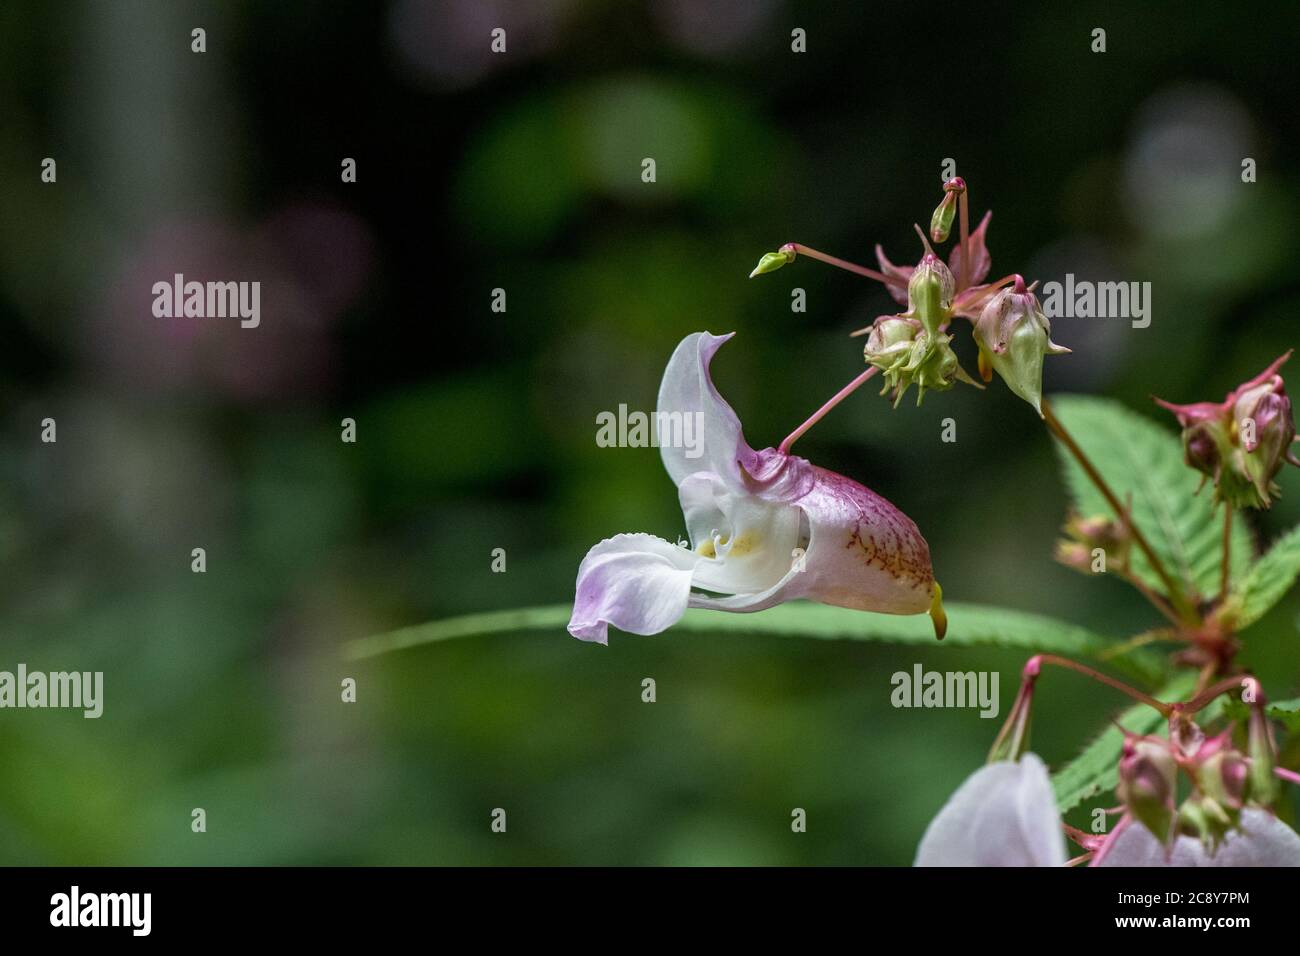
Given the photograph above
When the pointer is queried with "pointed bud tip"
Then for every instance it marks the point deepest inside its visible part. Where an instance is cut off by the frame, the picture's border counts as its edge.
(772, 261)
(937, 615)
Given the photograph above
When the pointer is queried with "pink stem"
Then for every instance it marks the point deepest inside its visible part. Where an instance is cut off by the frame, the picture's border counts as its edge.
(1109, 842)
(964, 214)
(1290, 776)
(1165, 709)
(845, 264)
(817, 416)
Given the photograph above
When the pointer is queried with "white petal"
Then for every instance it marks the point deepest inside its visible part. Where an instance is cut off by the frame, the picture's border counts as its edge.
(748, 543)
(1263, 840)
(1004, 814)
(688, 390)
(636, 582)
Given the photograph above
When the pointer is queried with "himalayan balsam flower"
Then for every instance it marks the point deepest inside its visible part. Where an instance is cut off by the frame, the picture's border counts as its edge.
(765, 527)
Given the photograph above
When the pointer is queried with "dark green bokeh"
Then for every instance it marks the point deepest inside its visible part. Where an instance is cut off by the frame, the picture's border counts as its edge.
(476, 429)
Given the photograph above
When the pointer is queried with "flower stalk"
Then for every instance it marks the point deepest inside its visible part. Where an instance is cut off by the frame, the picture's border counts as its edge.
(818, 415)
(1225, 578)
(1185, 611)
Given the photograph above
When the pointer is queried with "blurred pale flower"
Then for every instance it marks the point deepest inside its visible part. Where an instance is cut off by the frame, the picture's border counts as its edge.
(1004, 814)
(311, 260)
(450, 42)
(1262, 840)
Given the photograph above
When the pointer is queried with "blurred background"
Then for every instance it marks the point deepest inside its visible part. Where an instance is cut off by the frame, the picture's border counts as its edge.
(476, 429)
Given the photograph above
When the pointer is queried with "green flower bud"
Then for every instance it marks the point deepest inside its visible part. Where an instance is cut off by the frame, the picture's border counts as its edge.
(1265, 429)
(1200, 816)
(1204, 446)
(889, 346)
(929, 293)
(907, 354)
(1084, 535)
(1147, 776)
(941, 220)
(1072, 554)
(1013, 335)
(1223, 779)
(1262, 784)
(773, 261)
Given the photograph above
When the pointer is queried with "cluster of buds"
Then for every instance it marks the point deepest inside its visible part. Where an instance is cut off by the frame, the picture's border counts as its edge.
(914, 347)
(1242, 442)
(1085, 536)
(1224, 779)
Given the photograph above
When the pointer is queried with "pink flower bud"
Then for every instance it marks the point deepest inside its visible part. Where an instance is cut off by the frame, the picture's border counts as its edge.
(1086, 535)
(1242, 442)
(1147, 774)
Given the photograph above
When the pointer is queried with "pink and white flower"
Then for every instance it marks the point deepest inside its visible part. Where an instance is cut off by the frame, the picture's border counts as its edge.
(765, 527)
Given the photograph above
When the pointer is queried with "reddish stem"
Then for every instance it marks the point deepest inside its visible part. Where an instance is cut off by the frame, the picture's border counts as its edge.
(1203, 699)
(964, 213)
(845, 264)
(817, 416)
(1175, 593)
(1164, 709)
(1225, 577)
(1109, 842)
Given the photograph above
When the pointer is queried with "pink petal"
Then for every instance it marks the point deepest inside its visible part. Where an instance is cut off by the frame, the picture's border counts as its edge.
(897, 291)
(1263, 376)
(981, 261)
(863, 552)
(636, 582)
(1196, 412)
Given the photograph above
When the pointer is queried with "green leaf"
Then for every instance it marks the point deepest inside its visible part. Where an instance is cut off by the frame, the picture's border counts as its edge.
(1096, 769)
(1287, 711)
(968, 625)
(1143, 462)
(1267, 582)
(552, 617)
